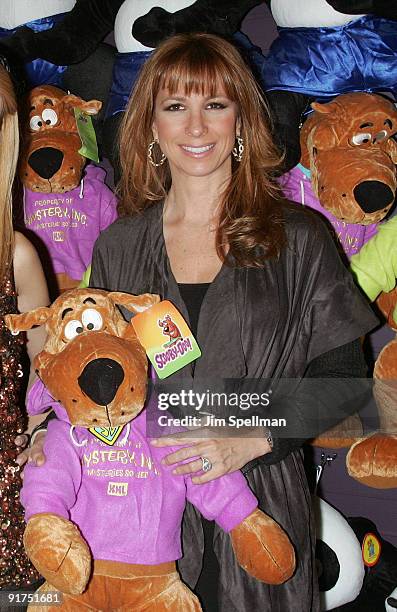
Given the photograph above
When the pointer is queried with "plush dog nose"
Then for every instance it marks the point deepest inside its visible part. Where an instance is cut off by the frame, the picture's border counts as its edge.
(100, 380)
(46, 162)
(373, 196)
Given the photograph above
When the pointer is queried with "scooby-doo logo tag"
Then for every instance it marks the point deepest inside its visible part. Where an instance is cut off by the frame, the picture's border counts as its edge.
(170, 354)
(180, 348)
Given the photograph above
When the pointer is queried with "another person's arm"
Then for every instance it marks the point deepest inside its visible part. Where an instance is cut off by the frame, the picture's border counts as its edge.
(32, 292)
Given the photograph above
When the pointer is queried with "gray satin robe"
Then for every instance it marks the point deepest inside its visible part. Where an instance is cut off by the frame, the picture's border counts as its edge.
(253, 323)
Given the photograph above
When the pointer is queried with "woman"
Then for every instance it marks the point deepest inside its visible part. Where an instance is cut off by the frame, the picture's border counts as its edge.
(23, 287)
(259, 282)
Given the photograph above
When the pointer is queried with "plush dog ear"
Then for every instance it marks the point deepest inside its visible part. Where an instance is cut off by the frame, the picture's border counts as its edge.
(91, 108)
(134, 303)
(27, 320)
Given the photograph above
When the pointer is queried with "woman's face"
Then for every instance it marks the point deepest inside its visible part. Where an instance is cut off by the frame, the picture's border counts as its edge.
(196, 132)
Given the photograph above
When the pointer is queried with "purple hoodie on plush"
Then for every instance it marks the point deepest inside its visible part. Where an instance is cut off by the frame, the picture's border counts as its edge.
(69, 223)
(297, 186)
(127, 504)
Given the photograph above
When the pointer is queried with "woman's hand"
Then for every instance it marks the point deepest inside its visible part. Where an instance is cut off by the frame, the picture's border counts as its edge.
(32, 453)
(225, 454)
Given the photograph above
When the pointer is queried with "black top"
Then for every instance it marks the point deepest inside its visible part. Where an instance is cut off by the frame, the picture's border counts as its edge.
(193, 295)
(346, 361)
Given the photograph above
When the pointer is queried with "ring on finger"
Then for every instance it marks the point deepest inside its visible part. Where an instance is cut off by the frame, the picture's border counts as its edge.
(206, 464)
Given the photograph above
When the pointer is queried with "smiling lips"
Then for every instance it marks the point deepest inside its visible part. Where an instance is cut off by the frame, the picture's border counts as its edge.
(198, 151)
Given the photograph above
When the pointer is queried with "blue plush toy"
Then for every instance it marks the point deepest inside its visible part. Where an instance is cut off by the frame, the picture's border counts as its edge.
(326, 48)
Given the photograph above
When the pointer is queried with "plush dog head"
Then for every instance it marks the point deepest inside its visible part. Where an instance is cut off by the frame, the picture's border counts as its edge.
(348, 145)
(92, 361)
(50, 159)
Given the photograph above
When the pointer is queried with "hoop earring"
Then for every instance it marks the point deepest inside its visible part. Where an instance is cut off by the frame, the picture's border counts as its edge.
(150, 155)
(238, 149)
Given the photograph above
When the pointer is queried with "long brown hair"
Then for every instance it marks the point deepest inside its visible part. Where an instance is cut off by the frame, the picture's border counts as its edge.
(250, 221)
(9, 147)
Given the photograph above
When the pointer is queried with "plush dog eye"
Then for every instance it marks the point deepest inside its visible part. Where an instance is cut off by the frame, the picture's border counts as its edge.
(35, 123)
(49, 116)
(359, 139)
(92, 319)
(72, 329)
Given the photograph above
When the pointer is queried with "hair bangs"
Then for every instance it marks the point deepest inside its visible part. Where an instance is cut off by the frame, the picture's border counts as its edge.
(198, 71)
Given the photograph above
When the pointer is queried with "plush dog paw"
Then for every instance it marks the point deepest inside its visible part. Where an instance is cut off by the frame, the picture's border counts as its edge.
(57, 550)
(263, 549)
(343, 435)
(373, 461)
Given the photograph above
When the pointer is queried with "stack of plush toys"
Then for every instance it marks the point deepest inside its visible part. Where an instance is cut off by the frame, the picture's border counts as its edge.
(104, 514)
(66, 202)
(325, 77)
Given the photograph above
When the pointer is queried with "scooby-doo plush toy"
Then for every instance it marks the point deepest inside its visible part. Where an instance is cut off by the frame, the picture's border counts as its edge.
(104, 514)
(347, 171)
(373, 460)
(348, 174)
(66, 203)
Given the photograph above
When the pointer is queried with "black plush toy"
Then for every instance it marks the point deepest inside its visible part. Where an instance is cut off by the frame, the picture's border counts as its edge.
(24, 24)
(326, 48)
(380, 579)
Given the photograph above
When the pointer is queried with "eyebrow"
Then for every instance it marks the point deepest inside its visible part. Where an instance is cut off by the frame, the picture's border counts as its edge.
(364, 125)
(89, 299)
(173, 98)
(184, 98)
(388, 122)
(65, 312)
(48, 101)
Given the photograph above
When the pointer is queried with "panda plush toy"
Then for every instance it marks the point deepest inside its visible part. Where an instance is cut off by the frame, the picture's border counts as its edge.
(379, 591)
(357, 568)
(391, 601)
(339, 563)
(326, 48)
(37, 16)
